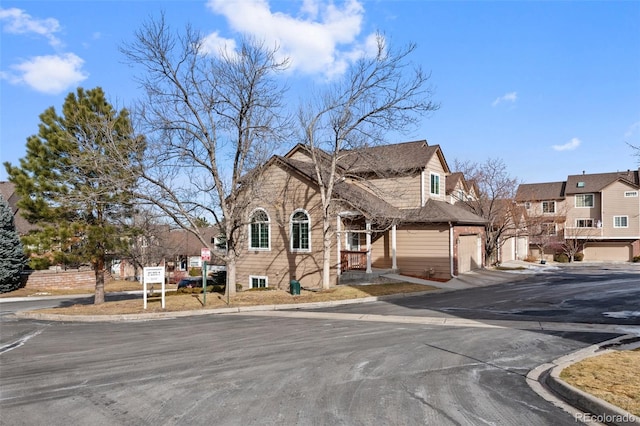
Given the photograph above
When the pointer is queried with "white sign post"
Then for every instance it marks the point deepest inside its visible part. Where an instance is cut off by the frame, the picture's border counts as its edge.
(205, 254)
(153, 274)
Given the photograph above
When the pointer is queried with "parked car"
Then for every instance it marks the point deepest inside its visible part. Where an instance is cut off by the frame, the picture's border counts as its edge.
(193, 282)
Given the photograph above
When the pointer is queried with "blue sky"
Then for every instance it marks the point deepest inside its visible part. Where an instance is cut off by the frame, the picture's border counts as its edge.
(552, 88)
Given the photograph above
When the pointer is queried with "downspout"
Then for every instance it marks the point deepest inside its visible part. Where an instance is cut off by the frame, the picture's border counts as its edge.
(453, 275)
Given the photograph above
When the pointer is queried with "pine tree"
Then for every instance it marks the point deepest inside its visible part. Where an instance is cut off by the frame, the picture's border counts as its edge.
(12, 258)
(76, 181)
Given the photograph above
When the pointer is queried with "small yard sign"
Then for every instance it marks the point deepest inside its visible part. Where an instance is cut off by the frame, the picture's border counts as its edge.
(153, 275)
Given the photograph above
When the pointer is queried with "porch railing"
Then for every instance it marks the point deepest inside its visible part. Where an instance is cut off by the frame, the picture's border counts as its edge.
(353, 260)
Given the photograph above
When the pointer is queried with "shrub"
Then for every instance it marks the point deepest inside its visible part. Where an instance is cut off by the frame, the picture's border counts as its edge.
(195, 272)
(578, 257)
(561, 258)
(636, 259)
(39, 263)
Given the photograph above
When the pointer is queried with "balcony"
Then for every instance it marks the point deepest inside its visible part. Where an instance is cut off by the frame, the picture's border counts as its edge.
(581, 233)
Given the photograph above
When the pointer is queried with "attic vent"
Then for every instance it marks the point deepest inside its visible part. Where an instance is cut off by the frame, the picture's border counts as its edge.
(580, 185)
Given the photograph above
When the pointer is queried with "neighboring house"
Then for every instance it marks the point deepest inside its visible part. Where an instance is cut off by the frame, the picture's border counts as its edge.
(8, 191)
(177, 249)
(459, 190)
(390, 212)
(599, 213)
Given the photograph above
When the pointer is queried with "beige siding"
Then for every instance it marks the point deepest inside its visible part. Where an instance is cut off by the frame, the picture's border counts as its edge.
(616, 204)
(420, 249)
(300, 156)
(280, 195)
(401, 192)
(574, 213)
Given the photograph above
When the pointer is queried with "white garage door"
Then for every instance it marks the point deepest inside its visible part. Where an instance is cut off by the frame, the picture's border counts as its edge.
(620, 252)
(468, 253)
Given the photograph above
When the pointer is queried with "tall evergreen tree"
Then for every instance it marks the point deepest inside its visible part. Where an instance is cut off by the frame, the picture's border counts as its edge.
(12, 258)
(76, 181)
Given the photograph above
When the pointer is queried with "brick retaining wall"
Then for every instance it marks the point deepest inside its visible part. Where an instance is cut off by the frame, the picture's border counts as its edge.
(61, 279)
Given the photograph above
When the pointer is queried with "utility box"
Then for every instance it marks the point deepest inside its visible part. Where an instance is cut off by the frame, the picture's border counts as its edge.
(294, 287)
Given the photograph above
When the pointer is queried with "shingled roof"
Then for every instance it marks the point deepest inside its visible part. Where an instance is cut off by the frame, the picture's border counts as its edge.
(394, 158)
(586, 183)
(373, 206)
(436, 211)
(540, 191)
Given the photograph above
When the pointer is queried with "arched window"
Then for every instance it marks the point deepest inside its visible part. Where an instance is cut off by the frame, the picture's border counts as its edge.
(300, 231)
(259, 230)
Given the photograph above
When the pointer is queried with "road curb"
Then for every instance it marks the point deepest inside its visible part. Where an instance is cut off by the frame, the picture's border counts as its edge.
(177, 314)
(589, 409)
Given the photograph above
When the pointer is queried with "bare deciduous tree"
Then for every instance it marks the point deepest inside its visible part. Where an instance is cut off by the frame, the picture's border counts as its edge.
(209, 117)
(379, 93)
(494, 199)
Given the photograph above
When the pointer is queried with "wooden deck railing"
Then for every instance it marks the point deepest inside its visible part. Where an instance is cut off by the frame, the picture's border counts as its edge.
(353, 260)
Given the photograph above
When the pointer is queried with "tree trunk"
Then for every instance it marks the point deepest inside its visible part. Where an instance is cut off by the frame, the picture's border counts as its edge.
(99, 271)
(326, 256)
(231, 277)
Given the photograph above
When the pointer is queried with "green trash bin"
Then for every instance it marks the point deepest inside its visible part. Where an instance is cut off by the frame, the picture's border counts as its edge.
(294, 287)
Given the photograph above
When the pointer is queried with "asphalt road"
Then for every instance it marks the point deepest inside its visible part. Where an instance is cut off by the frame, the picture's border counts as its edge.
(270, 370)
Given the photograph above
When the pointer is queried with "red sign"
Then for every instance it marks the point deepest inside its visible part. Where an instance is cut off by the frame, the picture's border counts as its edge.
(205, 254)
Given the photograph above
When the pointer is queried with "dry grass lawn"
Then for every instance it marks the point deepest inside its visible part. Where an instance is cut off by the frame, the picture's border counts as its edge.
(613, 377)
(111, 287)
(186, 302)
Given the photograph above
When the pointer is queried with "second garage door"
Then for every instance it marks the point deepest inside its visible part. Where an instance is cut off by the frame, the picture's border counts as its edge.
(468, 253)
(612, 252)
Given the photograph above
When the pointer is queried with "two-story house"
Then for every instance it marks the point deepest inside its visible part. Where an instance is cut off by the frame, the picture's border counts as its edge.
(599, 213)
(390, 211)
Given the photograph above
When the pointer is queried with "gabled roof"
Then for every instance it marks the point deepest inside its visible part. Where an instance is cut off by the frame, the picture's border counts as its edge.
(586, 183)
(540, 191)
(373, 206)
(394, 158)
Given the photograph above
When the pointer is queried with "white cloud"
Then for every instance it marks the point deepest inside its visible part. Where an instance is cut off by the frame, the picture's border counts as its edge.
(569, 146)
(52, 74)
(17, 21)
(507, 97)
(322, 38)
(214, 44)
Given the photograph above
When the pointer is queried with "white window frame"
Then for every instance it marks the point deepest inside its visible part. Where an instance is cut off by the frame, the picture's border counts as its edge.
(552, 226)
(593, 201)
(431, 177)
(250, 233)
(291, 239)
(628, 194)
(626, 221)
(547, 210)
(258, 277)
(350, 237)
(586, 219)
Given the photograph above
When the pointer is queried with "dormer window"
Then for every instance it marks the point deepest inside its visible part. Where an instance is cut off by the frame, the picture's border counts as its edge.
(580, 185)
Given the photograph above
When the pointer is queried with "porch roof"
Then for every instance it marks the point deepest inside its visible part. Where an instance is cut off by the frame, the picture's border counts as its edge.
(436, 211)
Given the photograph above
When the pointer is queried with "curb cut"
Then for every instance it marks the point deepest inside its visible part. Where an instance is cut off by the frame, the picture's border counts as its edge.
(545, 381)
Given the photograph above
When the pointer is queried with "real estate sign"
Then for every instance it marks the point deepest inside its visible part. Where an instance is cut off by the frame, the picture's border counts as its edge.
(153, 275)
